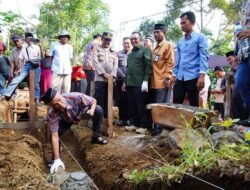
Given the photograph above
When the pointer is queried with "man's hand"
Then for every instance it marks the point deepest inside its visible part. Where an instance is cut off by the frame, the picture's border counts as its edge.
(172, 81)
(106, 76)
(57, 163)
(243, 34)
(167, 82)
(124, 87)
(201, 82)
(144, 86)
(91, 112)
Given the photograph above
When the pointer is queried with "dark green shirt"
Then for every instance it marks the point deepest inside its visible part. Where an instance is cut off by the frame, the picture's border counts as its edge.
(138, 66)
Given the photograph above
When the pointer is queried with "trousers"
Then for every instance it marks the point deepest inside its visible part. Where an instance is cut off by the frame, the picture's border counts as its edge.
(90, 74)
(19, 78)
(121, 100)
(137, 107)
(101, 96)
(61, 83)
(189, 87)
(243, 84)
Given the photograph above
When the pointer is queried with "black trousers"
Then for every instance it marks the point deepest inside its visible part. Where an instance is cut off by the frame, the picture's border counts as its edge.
(189, 87)
(90, 74)
(121, 99)
(101, 96)
(137, 107)
(220, 108)
(238, 109)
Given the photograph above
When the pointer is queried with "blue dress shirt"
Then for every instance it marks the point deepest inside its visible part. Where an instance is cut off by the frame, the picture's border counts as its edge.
(192, 57)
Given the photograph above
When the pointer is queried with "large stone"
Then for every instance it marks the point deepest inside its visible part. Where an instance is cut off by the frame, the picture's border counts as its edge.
(60, 177)
(137, 141)
(77, 181)
(179, 137)
(225, 137)
(78, 176)
(165, 133)
(141, 131)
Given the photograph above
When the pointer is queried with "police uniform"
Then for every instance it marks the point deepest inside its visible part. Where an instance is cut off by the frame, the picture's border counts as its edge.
(105, 61)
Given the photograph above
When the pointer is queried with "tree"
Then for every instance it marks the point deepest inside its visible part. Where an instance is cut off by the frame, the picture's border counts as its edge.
(220, 42)
(13, 24)
(146, 27)
(231, 9)
(81, 18)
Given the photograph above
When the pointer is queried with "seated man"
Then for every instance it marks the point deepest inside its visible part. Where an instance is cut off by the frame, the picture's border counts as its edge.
(66, 110)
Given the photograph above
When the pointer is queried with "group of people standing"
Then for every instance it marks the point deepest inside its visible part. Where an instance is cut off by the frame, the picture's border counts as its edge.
(145, 73)
(52, 68)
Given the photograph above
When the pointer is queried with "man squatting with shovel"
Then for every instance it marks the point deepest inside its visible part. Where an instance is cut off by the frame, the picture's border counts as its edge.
(68, 109)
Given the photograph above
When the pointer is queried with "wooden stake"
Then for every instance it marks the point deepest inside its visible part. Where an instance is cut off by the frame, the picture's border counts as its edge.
(15, 110)
(110, 107)
(32, 110)
(92, 88)
(228, 95)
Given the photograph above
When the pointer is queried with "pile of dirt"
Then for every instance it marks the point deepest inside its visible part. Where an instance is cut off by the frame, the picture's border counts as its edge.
(22, 164)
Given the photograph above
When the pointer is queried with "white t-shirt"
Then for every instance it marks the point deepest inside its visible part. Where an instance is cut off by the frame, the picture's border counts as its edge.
(33, 51)
(219, 98)
(204, 92)
(62, 55)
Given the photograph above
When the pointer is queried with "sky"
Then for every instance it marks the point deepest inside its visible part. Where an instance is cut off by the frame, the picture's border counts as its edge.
(120, 12)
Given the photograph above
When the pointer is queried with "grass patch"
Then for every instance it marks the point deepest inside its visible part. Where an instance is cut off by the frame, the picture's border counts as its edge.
(196, 160)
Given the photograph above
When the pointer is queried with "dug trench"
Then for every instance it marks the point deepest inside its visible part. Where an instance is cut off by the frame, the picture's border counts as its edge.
(23, 161)
(110, 166)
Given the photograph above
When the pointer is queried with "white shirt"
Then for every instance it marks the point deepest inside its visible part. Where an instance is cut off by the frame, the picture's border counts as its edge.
(33, 51)
(62, 55)
(219, 98)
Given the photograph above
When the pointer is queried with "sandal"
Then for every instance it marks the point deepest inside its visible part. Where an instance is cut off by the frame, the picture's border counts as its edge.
(99, 140)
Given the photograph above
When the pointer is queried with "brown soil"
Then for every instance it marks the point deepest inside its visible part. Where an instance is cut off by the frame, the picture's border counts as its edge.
(22, 164)
(109, 165)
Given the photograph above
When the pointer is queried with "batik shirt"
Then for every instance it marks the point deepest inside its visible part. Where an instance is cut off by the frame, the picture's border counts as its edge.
(76, 105)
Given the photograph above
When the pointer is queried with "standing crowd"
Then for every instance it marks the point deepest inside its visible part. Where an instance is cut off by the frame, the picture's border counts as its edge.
(144, 71)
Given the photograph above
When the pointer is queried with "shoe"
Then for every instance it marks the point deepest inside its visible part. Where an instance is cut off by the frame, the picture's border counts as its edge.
(131, 128)
(99, 140)
(156, 131)
(127, 123)
(38, 103)
(7, 98)
(141, 131)
(245, 122)
(120, 123)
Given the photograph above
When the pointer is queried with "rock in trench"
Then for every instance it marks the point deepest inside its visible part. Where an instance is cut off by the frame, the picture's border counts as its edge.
(179, 137)
(225, 137)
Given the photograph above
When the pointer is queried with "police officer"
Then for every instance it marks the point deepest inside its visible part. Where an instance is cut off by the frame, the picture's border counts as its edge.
(106, 63)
